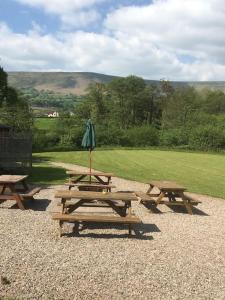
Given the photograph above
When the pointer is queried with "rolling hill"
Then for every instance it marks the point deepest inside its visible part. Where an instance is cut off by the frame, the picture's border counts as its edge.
(77, 82)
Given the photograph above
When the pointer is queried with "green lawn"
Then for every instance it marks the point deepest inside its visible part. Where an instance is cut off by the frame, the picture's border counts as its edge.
(44, 123)
(199, 172)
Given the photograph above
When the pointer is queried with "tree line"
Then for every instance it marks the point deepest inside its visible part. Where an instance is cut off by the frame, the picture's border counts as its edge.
(127, 112)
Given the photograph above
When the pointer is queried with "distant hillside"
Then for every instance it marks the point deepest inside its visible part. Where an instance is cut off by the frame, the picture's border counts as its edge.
(77, 82)
(58, 82)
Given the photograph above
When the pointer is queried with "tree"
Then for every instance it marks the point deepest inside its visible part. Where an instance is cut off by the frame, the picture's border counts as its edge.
(15, 112)
(3, 86)
(127, 98)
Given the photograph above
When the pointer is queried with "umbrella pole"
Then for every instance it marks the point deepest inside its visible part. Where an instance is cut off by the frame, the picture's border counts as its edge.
(90, 163)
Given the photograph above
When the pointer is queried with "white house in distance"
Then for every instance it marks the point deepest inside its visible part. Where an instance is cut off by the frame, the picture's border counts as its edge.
(54, 114)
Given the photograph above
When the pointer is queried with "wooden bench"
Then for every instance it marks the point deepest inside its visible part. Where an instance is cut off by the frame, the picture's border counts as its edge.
(144, 197)
(147, 198)
(192, 200)
(91, 186)
(61, 217)
(30, 193)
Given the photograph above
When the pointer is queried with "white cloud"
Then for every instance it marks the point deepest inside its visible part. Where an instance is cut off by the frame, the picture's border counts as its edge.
(173, 39)
(75, 13)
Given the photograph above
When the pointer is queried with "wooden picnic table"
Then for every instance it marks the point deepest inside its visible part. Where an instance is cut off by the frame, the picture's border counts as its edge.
(120, 203)
(15, 187)
(84, 177)
(173, 192)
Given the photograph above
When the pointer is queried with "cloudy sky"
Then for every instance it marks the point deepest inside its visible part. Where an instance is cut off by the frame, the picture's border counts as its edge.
(172, 39)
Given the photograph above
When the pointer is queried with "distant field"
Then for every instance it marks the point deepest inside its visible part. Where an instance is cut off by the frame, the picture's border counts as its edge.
(200, 173)
(44, 123)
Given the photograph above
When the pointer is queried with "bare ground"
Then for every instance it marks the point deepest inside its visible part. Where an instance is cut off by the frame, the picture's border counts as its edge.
(173, 255)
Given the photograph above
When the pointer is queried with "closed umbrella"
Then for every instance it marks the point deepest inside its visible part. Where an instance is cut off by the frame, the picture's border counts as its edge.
(89, 141)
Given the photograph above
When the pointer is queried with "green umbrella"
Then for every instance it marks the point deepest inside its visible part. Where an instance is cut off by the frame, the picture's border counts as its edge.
(88, 141)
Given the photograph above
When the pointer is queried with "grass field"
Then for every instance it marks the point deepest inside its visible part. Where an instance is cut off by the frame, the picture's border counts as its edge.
(44, 123)
(200, 173)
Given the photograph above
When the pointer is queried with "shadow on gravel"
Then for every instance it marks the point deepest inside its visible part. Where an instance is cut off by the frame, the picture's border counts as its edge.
(38, 204)
(182, 210)
(35, 205)
(177, 209)
(152, 208)
(138, 232)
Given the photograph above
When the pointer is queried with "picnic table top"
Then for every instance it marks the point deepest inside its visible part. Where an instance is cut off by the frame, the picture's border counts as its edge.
(96, 195)
(12, 178)
(94, 173)
(167, 185)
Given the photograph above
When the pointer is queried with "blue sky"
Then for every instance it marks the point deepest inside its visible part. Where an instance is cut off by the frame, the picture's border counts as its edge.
(20, 16)
(172, 39)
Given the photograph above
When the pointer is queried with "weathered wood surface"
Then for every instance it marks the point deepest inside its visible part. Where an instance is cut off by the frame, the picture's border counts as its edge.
(31, 193)
(12, 178)
(95, 195)
(88, 173)
(96, 218)
(167, 185)
(145, 197)
(103, 186)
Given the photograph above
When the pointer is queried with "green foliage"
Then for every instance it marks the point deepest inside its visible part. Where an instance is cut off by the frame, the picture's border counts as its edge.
(45, 123)
(207, 138)
(14, 111)
(142, 136)
(128, 112)
(49, 99)
(173, 137)
(3, 86)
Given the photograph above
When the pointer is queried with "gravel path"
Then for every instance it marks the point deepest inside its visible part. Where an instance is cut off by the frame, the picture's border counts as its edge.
(179, 256)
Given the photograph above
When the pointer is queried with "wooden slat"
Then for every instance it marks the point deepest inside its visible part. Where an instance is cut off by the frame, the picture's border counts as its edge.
(171, 203)
(96, 218)
(167, 185)
(144, 197)
(103, 186)
(31, 193)
(191, 199)
(76, 173)
(12, 178)
(95, 195)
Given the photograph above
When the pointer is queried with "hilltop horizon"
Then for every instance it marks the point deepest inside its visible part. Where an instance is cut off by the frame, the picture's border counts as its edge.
(77, 82)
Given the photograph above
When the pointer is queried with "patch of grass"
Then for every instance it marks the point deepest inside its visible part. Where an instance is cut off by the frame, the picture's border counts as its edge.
(44, 173)
(200, 172)
(45, 123)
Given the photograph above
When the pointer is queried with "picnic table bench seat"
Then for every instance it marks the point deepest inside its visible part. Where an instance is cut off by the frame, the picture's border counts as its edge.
(91, 186)
(62, 217)
(30, 193)
(144, 197)
(148, 198)
(192, 200)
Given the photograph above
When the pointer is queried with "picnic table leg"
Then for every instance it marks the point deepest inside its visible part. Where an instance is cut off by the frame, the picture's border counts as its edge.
(16, 196)
(25, 185)
(130, 230)
(129, 214)
(2, 189)
(75, 180)
(157, 201)
(60, 227)
(187, 204)
(150, 188)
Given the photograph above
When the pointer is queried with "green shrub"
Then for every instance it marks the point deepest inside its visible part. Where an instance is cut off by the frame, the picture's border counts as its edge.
(141, 136)
(173, 137)
(207, 138)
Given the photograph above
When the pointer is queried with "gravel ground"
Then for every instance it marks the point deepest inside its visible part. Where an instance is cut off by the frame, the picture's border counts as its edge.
(173, 256)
